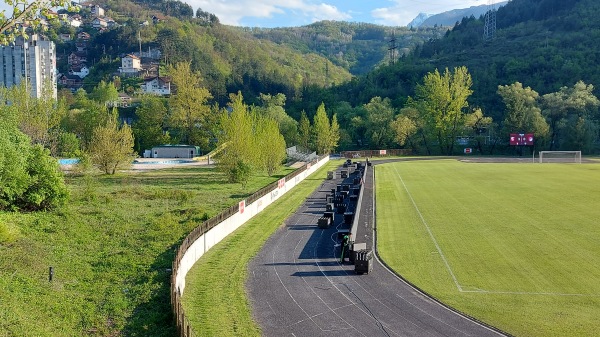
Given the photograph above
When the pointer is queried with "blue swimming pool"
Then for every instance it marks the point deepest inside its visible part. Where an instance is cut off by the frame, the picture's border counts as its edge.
(68, 161)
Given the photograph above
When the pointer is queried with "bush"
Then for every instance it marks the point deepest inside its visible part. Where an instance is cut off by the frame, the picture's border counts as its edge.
(13, 165)
(68, 145)
(47, 189)
(240, 173)
(8, 234)
(29, 178)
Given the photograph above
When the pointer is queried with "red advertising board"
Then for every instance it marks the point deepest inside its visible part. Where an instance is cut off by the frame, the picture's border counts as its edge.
(468, 150)
(281, 183)
(521, 139)
(242, 206)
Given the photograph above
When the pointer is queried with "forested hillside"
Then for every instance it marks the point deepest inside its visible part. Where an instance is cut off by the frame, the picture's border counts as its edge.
(547, 45)
(357, 47)
(229, 60)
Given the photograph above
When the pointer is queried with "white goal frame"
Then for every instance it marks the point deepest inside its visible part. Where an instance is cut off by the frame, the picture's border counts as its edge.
(567, 157)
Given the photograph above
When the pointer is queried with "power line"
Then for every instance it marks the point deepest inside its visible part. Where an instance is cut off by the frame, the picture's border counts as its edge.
(489, 30)
(392, 49)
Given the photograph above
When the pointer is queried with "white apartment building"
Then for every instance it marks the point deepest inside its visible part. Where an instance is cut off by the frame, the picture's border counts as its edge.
(32, 61)
(130, 64)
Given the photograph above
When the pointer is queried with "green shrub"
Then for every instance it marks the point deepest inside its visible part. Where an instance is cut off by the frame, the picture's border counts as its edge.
(29, 178)
(68, 145)
(8, 233)
(46, 188)
(13, 163)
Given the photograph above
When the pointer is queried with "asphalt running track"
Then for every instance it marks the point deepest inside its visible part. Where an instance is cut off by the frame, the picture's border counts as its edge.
(298, 287)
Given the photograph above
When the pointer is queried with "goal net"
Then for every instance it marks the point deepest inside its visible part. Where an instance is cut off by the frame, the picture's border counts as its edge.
(560, 157)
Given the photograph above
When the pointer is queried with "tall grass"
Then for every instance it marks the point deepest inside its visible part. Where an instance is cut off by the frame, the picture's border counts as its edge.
(515, 245)
(111, 249)
(8, 233)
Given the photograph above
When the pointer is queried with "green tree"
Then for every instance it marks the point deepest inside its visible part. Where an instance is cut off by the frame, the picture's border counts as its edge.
(380, 115)
(189, 106)
(105, 93)
(14, 179)
(334, 133)
(404, 128)
(112, 146)
(31, 12)
(321, 129)
(237, 141)
(68, 145)
(270, 144)
(46, 188)
(39, 118)
(523, 115)
(29, 178)
(477, 126)
(570, 112)
(84, 117)
(304, 131)
(441, 100)
(273, 107)
(149, 128)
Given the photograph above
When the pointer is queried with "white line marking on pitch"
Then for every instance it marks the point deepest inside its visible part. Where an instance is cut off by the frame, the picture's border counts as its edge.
(437, 246)
(458, 286)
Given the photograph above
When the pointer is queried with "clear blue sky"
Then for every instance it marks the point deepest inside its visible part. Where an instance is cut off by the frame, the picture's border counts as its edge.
(285, 13)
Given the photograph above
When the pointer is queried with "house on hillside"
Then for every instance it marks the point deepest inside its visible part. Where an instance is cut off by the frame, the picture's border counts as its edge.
(65, 37)
(76, 59)
(75, 21)
(130, 65)
(110, 22)
(99, 23)
(156, 85)
(83, 36)
(123, 101)
(158, 18)
(70, 81)
(97, 10)
(82, 71)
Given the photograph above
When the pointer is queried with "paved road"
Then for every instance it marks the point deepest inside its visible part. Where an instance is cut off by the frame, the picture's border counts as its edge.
(298, 287)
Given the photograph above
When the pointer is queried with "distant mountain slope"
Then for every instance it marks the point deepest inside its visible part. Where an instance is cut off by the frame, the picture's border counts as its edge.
(357, 47)
(450, 18)
(544, 44)
(418, 21)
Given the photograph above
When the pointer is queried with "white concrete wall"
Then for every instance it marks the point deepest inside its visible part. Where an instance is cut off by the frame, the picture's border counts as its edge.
(220, 231)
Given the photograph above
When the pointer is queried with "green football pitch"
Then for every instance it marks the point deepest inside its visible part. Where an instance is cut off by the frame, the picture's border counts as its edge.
(515, 245)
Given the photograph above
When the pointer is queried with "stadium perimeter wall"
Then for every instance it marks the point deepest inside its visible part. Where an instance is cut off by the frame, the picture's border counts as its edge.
(212, 231)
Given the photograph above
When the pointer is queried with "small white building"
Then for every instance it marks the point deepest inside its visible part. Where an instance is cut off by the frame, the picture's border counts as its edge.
(130, 64)
(157, 86)
(175, 151)
(81, 71)
(75, 21)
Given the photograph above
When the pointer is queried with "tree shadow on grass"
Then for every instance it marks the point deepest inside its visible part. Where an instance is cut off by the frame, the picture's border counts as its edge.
(154, 317)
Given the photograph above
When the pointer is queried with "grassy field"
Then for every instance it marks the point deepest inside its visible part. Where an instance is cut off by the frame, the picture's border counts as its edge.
(514, 245)
(111, 248)
(215, 298)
